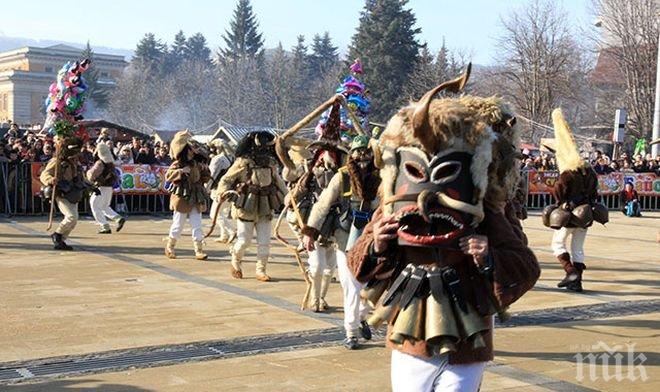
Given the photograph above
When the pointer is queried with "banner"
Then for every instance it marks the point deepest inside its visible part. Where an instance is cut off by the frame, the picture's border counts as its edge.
(646, 184)
(141, 179)
(133, 179)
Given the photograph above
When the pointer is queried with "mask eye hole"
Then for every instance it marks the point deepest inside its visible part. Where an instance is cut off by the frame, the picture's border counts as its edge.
(415, 172)
(446, 172)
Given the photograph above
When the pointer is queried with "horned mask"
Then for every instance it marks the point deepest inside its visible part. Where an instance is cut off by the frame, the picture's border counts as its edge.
(440, 160)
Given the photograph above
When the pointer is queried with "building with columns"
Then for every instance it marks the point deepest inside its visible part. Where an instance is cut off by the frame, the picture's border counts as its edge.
(26, 74)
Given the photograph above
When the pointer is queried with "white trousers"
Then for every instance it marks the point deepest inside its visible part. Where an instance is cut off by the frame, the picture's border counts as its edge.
(560, 238)
(70, 212)
(244, 233)
(323, 260)
(195, 219)
(225, 224)
(355, 310)
(100, 205)
(412, 374)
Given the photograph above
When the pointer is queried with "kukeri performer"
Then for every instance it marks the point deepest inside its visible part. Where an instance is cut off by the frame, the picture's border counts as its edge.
(440, 257)
(254, 186)
(63, 174)
(576, 192)
(186, 176)
(353, 192)
(220, 163)
(102, 174)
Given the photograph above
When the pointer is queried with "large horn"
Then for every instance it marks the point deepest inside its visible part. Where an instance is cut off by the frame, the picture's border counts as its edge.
(420, 118)
(280, 142)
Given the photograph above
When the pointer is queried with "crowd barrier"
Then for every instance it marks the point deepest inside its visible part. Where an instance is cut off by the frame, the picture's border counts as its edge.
(143, 190)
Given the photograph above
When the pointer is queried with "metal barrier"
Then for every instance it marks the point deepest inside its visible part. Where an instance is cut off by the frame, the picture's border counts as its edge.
(16, 196)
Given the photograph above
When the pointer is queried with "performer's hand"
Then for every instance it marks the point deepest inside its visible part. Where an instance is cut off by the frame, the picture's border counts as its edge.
(308, 243)
(385, 229)
(477, 246)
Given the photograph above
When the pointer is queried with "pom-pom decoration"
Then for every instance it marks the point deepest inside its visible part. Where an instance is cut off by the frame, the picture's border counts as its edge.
(66, 97)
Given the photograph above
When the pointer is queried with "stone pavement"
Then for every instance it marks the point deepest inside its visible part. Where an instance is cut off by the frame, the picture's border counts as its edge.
(119, 292)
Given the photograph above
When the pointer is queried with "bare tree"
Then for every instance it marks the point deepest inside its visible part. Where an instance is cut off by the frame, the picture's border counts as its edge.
(630, 37)
(541, 62)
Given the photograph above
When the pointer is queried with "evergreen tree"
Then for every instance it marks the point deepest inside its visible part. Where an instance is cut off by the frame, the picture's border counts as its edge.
(324, 54)
(386, 43)
(243, 39)
(177, 51)
(196, 49)
(95, 91)
(150, 51)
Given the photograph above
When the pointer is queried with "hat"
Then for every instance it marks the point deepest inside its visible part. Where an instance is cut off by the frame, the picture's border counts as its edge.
(360, 141)
(104, 132)
(179, 142)
(103, 151)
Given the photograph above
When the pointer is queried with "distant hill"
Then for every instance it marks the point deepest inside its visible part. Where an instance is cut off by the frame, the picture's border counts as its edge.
(8, 43)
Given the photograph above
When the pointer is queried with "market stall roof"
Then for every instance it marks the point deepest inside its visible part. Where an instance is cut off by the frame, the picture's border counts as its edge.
(98, 124)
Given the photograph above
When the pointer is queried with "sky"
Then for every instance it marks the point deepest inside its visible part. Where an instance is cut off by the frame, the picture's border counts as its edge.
(470, 26)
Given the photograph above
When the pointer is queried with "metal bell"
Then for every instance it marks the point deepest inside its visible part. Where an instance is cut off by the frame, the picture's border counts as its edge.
(372, 294)
(409, 323)
(440, 324)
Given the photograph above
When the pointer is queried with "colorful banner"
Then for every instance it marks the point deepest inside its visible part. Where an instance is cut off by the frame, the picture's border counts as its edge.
(646, 184)
(133, 179)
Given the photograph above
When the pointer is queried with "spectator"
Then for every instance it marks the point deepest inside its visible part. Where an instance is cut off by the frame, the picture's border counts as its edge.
(614, 166)
(639, 166)
(136, 145)
(13, 132)
(627, 167)
(602, 167)
(86, 156)
(47, 153)
(162, 157)
(125, 155)
(630, 201)
(31, 156)
(145, 156)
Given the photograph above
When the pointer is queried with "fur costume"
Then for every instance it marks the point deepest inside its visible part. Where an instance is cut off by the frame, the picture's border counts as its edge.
(576, 209)
(64, 174)
(256, 190)
(186, 177)
(449, 165)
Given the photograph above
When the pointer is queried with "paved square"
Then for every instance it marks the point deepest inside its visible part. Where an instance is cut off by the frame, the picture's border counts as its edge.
(119, 292)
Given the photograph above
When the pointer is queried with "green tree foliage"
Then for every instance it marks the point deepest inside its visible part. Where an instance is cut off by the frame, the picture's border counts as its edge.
(195, 49)
(96, 92)
(386, 44)
(243, 39)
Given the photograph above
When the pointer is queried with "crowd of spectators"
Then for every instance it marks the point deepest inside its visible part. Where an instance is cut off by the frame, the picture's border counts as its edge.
(18, 146)
(602, 163)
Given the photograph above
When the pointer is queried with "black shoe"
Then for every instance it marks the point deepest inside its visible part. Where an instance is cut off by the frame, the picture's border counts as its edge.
(568, 279)
(105, 231)
(351, 343)
(120, 223)
(365, 330)
(575, 286)
(59, 242)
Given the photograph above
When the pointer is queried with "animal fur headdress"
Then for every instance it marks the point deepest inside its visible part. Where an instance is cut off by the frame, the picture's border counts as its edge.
(484, 128)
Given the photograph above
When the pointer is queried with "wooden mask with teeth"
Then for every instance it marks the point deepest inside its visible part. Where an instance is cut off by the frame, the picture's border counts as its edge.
(436, 155)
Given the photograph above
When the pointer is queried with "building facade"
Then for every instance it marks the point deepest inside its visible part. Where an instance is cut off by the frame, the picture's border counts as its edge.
(26, 74)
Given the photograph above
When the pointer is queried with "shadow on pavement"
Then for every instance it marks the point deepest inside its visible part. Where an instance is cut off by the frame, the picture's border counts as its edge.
(71, 386)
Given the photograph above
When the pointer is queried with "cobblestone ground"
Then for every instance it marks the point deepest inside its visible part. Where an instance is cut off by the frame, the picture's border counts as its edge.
(119, 316)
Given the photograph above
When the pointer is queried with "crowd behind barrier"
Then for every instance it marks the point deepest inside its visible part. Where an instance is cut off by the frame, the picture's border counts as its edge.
(142, 190)
(142, 163)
